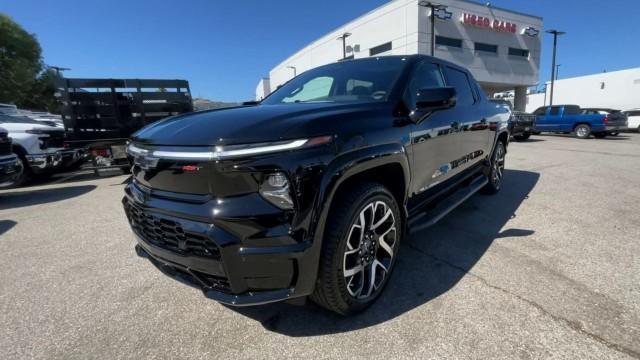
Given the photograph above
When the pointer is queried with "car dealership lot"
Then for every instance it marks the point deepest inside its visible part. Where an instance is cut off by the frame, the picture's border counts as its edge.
(547, 268)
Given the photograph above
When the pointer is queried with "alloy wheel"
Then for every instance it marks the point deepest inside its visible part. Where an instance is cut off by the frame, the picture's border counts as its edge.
(498, 167)
(369, 250)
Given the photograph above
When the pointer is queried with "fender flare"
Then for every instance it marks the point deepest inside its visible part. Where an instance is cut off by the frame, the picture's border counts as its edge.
(337, 172)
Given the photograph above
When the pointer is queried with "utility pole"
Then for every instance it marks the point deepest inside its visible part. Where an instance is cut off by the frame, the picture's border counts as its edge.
(553, 61)
(432, 17)
(344, 37)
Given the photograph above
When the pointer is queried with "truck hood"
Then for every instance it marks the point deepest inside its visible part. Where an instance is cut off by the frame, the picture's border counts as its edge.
(252, 124)
(21, 127)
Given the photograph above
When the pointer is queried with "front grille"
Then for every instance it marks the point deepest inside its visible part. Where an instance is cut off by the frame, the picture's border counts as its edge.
(5, 145)
(55, 140)
(169, 234)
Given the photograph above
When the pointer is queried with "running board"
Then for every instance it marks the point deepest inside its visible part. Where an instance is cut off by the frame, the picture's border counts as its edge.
(432, 216)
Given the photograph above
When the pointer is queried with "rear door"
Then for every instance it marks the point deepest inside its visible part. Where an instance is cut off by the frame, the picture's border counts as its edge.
(570, 114)
(474, 133)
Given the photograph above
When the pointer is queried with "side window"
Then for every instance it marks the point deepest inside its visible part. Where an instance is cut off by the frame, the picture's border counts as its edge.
(426, 75)
(316, 89)
(460, 82)
(555, 110)
(574, 110)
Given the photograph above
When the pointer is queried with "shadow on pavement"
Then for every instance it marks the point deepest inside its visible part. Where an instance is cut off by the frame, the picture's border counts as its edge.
(430, 263)
(17, 199)
(6, 225)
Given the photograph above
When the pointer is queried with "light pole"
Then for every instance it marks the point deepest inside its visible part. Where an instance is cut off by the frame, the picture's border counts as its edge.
(344, 37)
(295, 71)
(432, 17)
(553, 61)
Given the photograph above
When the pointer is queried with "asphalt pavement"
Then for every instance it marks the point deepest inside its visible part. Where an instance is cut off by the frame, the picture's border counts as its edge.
(547, 268)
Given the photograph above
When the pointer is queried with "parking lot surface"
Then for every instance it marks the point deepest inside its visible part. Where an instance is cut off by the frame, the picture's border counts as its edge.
(548, 268)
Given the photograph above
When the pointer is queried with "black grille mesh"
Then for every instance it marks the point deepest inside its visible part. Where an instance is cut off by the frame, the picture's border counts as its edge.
(169, 235)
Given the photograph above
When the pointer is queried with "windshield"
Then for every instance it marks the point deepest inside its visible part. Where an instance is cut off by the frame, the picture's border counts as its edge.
(350, 81)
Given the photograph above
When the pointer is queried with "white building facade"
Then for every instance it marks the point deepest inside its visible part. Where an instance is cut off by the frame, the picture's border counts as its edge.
(500, 47)
(614, 90)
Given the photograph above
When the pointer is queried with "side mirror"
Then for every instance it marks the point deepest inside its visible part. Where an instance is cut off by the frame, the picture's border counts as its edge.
(437, 98)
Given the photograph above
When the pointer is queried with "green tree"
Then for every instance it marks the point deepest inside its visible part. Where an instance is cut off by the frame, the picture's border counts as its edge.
(23, 81)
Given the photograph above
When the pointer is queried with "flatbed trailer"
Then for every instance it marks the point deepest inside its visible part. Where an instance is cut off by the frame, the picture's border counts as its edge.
(100, 115)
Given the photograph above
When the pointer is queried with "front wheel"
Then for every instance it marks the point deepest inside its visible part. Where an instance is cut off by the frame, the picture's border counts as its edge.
(497, 170)
(361, 242)
(583, 131)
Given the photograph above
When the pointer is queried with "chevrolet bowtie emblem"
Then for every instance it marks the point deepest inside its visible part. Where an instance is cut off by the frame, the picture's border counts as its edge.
(531, 31)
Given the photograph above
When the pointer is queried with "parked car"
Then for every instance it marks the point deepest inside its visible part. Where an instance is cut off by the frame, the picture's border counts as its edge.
(571, 118)
(37, 146)
(311, 191)
(521, 124)
(633, 118)
(10, 165)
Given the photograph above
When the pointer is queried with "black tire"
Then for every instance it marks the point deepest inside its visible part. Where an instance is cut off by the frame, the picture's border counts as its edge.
(522, 137)
(335, 291)
(496, 172)
(615, 133)
(582, 131)
(600, 135)
(26, 173)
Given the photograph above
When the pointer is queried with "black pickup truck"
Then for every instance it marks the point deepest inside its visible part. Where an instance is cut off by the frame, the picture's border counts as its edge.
(311, 191)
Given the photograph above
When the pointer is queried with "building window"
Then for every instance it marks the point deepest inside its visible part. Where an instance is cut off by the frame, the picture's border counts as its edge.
(380, 49)
(486, 48)
(447, 41)
(519, 52)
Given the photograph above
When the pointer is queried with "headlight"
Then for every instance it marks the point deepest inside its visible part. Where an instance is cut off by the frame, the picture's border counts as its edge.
(275, 189)
(230, 151)
(37, 132)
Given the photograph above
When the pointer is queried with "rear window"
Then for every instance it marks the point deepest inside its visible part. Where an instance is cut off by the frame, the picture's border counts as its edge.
(571, 110)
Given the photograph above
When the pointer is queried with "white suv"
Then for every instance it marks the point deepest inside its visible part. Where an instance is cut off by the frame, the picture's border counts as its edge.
(38, 146)
(633, 117)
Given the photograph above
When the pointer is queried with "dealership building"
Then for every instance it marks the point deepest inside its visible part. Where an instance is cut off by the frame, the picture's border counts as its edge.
(500, 47)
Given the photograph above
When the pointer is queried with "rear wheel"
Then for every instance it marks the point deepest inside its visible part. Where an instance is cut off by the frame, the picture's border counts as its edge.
(361, 241)
(583, 131)
(497, 170)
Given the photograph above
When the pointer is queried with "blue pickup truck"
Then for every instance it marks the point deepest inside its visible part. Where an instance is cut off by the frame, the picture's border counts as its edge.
(582, 122)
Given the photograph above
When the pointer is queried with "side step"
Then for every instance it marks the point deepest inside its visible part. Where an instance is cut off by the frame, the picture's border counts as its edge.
(432, 216)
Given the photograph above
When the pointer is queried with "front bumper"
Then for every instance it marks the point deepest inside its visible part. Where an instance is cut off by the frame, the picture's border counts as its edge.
(236, 260)
(10, 170)
(44, 162)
